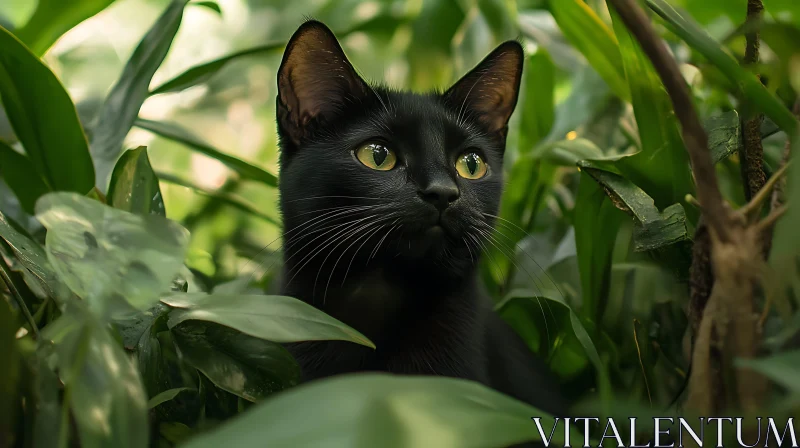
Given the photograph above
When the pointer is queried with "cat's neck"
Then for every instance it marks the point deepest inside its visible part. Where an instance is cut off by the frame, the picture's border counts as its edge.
(384, 295)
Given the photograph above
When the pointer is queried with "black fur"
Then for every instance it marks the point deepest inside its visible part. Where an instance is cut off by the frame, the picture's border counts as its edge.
(364, 245)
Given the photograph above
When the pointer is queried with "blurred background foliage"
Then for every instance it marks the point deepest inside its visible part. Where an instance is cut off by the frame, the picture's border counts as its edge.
(609, 305)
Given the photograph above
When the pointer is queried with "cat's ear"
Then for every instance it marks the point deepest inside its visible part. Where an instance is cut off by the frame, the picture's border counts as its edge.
(315, 80)
(489, 92)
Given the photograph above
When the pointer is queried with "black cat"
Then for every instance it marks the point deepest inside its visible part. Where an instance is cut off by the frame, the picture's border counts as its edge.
(387, 200)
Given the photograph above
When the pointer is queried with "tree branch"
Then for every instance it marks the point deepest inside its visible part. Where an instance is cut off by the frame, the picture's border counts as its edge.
(694, 136)
(751, 155)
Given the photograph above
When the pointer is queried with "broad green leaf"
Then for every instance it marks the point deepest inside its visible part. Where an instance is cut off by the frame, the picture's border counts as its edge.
(103, 387)
(134, 186)
(653, 229)
(53, 18)
(538, 101)
(20, 175)
(44, 118)
(783, 368)
(661, 168)
(227, 199)
(165, 396)
(121, 106)
(749, 87)
(587, 32)
(390, 411)
(596, 223)
(34, 258)
(243, 365)
(175, 132)
(203, 72)
(105, 254)
(724, 135)
(213, 6)
(274, 318)
(520, 297)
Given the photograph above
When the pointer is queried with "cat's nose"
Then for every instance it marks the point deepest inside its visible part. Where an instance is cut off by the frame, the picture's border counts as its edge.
(440, 194)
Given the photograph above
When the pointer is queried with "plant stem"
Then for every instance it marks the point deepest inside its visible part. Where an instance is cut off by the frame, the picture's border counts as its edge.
(694, 135)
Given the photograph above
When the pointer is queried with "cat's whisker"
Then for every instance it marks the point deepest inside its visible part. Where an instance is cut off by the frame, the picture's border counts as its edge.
(519, 246)
(336, 212)
(350, 234)
(325, 244)
(309, 198)
(491, 240)
(362, 245)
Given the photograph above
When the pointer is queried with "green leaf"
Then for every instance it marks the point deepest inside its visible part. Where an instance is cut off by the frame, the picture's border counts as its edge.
(653, 229)
(587, 32)
(274, 318)
(34, 258)
(213, 6)
(567, 152)
(103, 388)
(749, 87)
(776, 7)
(53, 18)
(596, 223)
(134, 186)
(724, 135)
(165, 396)
(243, 365)
(121, 106)
(203, 72)
(785, 253)
(175, 132)
(661, 168)
(44, 118)
(538, 100)
(783, 368)
(20, 175)
(521, 298)
(104, 254)
(227, 199)
(383, 410)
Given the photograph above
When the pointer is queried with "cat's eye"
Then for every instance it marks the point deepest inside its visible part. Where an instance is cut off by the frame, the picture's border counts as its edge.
(471, 166)
(377, 157)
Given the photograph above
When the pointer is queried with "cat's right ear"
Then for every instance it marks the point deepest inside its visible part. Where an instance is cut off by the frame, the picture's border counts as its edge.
(315, 80)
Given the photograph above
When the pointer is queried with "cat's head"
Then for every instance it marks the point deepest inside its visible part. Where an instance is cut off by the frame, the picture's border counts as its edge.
(369, 171)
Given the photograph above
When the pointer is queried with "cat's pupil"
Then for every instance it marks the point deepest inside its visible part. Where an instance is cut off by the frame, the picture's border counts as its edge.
(472, 164)
(379, 154)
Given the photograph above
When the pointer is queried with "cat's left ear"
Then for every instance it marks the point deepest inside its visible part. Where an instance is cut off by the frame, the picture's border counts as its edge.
(489, 92)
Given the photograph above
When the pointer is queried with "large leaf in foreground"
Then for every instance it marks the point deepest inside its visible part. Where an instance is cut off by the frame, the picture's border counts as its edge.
(371, 410)
(103, 253)
(134, 186)
(274, 318)
(249, 367)
(122, 104)
(44, 118)
(53, 18)
(103, 387)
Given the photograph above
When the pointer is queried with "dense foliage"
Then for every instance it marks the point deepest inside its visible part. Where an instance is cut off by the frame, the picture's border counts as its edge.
(121, 327)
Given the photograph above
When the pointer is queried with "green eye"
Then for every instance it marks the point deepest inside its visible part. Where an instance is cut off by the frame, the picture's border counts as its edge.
(471, 166)
(377, 157)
